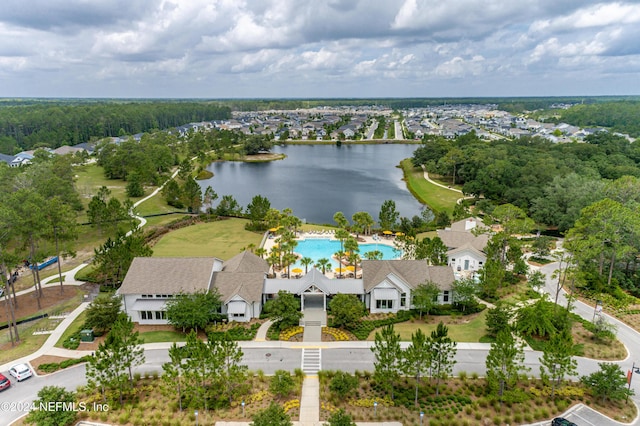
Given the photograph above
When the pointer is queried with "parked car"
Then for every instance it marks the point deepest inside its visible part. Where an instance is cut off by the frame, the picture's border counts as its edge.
(4, 382)
(20, 372)
(561, 421)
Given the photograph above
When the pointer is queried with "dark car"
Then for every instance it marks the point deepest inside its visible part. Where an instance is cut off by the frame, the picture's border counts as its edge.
(561, 421)
(4, 382)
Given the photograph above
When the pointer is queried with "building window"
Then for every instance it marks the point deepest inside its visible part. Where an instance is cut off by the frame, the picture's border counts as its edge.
(403, 299)
(384, 304)
(146, 315)
(445, 297)
(160, 315)
(238, 315)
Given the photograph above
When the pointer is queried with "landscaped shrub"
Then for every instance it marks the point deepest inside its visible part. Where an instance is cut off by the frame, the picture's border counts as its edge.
(235, 332)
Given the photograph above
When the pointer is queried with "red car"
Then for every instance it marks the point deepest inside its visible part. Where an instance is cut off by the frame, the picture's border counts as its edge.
(4, 382)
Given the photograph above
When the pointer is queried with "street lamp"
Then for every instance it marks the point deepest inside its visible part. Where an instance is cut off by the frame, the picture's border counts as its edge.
(421, 416)
(375, 409)
(636, 370)
(196, 413)
(243, 408)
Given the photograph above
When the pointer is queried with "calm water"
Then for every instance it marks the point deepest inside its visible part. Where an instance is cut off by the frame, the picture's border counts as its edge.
(316, 181)
(318, 248)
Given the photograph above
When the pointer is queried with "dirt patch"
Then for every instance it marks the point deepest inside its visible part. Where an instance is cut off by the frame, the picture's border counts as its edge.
(45, 359)
(28, 303)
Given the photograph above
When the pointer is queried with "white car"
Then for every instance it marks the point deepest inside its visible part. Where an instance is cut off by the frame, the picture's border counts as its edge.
(20, 372)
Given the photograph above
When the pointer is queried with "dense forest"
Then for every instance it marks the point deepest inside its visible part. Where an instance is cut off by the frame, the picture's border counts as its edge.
(621, 117)
(51, 124)
(549, 181)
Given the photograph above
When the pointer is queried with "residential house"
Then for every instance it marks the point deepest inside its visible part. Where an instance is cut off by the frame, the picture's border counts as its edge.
(465, 245)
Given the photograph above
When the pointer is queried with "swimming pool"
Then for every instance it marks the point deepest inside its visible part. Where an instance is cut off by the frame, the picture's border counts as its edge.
(318, 248)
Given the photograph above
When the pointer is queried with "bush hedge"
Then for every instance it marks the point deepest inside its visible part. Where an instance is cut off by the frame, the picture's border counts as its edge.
(50, 367)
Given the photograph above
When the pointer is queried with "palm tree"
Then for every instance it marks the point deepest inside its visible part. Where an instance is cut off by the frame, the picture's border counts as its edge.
(373, 255)
(287, 260)
(323, 264)
(261, 251)
(273, 259)
(342, 234)
(306, 261)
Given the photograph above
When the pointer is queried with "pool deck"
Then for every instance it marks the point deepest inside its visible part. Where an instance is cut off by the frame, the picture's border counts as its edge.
(368, 239)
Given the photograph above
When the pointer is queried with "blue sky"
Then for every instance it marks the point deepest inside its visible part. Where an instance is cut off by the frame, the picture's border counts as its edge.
(318, 48)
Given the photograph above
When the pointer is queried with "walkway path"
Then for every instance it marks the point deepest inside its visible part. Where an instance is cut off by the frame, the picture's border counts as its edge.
(261, 335)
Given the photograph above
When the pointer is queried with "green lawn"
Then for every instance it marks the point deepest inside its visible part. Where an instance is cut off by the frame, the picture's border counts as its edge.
(223, 239)
(437, 198)
(468, 329)
(73, 328)
(162, 336)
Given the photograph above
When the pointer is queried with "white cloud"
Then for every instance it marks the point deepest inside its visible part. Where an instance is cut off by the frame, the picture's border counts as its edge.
(315, 47)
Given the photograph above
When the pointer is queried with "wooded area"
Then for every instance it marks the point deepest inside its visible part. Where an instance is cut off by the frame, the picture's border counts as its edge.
(24, 127)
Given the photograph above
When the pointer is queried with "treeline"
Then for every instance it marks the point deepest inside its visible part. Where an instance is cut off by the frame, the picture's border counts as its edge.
(25, 127)
(551, 182)
(620, 117)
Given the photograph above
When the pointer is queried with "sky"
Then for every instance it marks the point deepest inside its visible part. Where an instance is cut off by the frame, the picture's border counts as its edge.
(318, 48)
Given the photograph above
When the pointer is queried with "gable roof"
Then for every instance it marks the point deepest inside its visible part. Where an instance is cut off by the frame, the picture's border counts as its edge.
(168, 275)
(455, 239)
(413, 272)
(6, 158)
(467, 224)
(242, 275)
(467, 247)
(246, 262)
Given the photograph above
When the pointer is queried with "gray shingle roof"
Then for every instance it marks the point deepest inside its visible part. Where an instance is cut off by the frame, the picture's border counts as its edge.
(243, 275)
(455, 239)
(413, 272)
(163, 275)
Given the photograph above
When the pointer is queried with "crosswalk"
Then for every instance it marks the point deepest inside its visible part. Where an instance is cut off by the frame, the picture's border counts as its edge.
(311, 360)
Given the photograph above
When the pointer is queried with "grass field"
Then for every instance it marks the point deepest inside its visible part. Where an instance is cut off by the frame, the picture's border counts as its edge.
(162, 336)
(73, 328)
(437, 198)
(223, 239)
(461, 329)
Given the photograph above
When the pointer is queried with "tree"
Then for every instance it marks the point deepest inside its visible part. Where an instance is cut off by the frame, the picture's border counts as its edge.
(609, 383)
(306, 261)
(340, 219)
(228, 207)
(172, 194)
(340, 418)
(174, 372)
(192, 195)
(134, 185)
(285, 310)
(536, 281)
(536, 319)
(417, 359)
(193, 310)
(388, 357)
(114, 257)
(346, 310)
(504, 362)
(362, 222)
(102, 313)
(388, 215)
(281, 383)
(58, 417)
(209, 197)
(498, 319)
(257, 211)
(425, 297)
(464, 292)
(442, 354)
(128, 343)
(343, 384)
(232, 374)
(557, 361)
(274, 415)
(323, 264)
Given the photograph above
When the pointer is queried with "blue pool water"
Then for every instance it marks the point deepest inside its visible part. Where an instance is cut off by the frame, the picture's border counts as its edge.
(318, 248)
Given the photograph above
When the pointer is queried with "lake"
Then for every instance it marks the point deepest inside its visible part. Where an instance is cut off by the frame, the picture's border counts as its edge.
(315, 181)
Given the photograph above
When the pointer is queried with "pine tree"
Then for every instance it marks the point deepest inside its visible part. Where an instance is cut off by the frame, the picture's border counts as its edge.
(556, 361)
(417, 359)
(504, 362)
(442, 354)
(388, 355)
